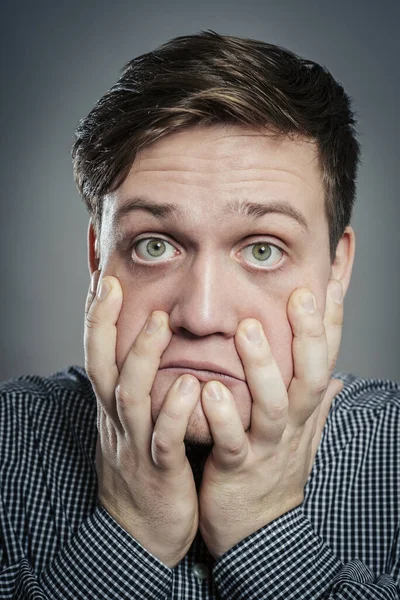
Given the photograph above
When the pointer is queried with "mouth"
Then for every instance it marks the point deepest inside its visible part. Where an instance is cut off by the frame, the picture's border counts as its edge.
(203, 374)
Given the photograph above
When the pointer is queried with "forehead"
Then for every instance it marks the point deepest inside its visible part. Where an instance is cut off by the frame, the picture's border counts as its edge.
(218, 163)
(231, 147)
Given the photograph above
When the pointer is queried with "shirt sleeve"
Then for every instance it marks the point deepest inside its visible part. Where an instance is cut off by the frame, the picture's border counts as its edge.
(101, 561)
(288, 560)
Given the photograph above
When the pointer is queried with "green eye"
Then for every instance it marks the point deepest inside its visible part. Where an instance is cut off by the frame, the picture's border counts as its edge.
(153, 248)
(262, 252)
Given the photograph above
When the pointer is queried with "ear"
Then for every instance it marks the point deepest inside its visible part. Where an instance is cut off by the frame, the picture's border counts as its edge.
(342, 265)
(93, 245)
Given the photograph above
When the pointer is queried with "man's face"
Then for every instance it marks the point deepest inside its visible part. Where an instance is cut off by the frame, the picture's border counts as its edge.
(210, 267)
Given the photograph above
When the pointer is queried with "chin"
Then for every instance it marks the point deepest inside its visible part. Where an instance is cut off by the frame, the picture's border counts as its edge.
(198, 432)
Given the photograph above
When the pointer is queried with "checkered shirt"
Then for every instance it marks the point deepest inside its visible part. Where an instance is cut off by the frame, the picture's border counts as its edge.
(57, 542)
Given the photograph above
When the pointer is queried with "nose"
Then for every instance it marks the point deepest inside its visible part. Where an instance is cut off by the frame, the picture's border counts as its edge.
(207, 299)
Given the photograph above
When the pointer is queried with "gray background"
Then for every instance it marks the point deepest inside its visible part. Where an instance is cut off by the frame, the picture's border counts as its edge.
(59, 58)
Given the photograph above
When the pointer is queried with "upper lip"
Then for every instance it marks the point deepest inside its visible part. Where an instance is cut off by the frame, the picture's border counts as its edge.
(200, 365)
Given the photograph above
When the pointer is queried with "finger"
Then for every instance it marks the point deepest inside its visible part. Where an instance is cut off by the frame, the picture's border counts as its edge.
(333, 324)
(230, 442)
(167, 444)
(310, 357)
(137, 377)
(100, 341)
(92, 290)
(267, 388)
(333, 321)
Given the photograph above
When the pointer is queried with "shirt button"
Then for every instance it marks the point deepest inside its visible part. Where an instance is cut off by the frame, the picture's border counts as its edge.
(200, 571)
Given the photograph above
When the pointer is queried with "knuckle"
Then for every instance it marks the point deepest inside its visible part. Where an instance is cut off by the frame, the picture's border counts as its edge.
(338, 319)
(161, 445)
(138, 351)
(124, 397)
(172, 412)
(278, 412)
(234, 449)
(263, 360)
(92, 321)
(91, 370)
(317, 331)
(88, 303)
(333, 360)
(161, 450)
(320, 384)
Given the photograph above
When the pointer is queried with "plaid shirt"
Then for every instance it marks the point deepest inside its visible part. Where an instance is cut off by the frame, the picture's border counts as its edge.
(56, 541)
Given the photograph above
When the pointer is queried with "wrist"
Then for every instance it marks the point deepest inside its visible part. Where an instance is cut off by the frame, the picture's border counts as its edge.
(170, 553)
(224, 537)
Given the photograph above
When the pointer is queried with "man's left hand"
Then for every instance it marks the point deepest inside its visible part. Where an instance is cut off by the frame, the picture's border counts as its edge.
(253, 477)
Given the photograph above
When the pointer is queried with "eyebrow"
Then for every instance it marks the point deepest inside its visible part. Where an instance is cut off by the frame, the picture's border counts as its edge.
(235, 208)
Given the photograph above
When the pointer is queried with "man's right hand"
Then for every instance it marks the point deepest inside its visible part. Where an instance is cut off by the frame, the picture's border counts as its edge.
(145, 480)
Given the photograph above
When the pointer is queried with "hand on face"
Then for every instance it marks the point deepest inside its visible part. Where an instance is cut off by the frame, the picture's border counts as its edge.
(145, 480)
(251, 478)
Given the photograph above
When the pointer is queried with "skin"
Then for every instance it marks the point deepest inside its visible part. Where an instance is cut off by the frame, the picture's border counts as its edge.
(265, 429)
(212, 285)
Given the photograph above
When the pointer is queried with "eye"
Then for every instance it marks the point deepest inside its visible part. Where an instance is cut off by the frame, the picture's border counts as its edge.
(153, 248)
(262, 252)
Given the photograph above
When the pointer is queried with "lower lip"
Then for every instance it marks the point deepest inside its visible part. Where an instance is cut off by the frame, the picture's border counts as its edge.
(203, 375)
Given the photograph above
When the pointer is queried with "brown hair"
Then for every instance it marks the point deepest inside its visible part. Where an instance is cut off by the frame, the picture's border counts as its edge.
(206, 79)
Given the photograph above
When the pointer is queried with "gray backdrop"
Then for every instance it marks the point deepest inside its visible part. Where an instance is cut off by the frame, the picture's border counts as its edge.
(59, 58)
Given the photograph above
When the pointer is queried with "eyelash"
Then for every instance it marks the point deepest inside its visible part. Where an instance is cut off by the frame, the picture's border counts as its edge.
(139, 264)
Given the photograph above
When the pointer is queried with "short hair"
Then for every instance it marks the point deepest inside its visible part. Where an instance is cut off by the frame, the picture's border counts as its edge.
(207, 79)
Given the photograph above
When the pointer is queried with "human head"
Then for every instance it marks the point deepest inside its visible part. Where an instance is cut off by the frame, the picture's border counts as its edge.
(168, 132)
(206, 79)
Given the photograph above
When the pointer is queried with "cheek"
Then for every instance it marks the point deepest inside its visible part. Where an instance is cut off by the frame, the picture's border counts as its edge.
(278, 332)
(140, 301)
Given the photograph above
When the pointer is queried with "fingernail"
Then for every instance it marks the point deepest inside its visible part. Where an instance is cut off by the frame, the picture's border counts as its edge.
(336, 291)
(152, 324)
(103, 289)
(94, 280)
(253, 333)
(308, 303)
(186, 385)
(214, 390)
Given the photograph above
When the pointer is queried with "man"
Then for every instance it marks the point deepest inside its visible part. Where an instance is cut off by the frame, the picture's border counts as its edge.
(206, 451)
